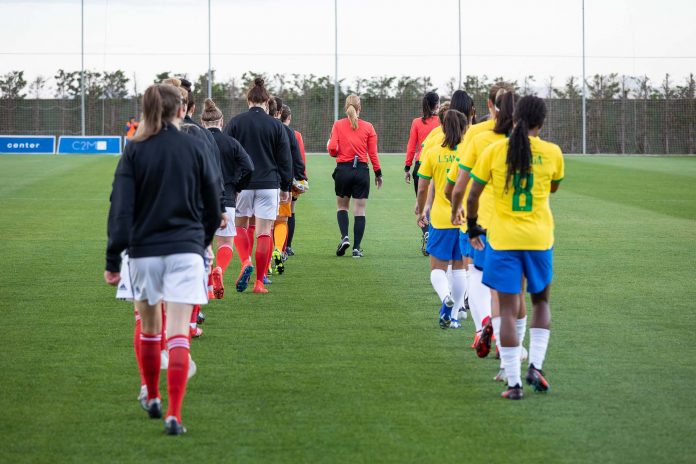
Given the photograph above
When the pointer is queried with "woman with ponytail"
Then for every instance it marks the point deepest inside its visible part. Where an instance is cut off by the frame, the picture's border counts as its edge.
(165, 208)
(237, 168)
(353, 141)
(443, 244)
(266, 141)
(521, 171)
(420, 128)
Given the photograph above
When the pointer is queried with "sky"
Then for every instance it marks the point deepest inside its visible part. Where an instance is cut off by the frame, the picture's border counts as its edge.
(505, 38)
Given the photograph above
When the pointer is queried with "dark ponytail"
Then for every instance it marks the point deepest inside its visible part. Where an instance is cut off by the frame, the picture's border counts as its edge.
(454, 125)
(430, 101)
(258, 93)
(505, 104)
(462, 102)
(530, 113)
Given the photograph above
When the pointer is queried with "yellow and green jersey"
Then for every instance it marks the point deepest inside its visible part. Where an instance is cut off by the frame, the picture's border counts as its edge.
(522, 218)
(472, 152)
(476, 129)
(434, 165)
(434, 140)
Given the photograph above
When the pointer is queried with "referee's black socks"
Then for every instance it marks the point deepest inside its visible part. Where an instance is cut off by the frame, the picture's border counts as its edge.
(343, 222)
(358, 231)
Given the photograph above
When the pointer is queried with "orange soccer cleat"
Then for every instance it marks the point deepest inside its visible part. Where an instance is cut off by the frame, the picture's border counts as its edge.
(218, 286)
(259, 287)
(244, 276)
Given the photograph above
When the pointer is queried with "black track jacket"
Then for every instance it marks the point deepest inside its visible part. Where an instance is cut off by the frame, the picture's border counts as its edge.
(237, 166)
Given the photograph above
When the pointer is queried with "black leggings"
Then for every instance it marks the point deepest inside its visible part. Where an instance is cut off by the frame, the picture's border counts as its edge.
(415, 176)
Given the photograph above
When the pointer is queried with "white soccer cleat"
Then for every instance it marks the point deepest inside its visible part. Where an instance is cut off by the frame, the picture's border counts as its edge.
(142, 397)
(463, 315)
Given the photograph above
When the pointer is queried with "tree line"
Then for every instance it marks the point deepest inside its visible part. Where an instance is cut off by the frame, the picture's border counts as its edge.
(115, 84)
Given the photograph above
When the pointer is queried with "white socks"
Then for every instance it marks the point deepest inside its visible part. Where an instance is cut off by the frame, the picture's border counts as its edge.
(510, 360)
(495, 322)
(438, 278)
(538, 343)
(479, 297)
(458, 290)
(521, 326)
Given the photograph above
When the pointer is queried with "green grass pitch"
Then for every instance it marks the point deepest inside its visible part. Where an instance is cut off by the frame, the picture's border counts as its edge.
(343, 361)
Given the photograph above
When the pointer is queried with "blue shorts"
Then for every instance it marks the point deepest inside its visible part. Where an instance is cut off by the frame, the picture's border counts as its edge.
(479, 257)
(464, 246)
(443, 244)
(504, 269)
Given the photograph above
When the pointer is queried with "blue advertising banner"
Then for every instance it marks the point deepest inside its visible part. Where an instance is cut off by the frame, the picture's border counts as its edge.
(89, 145)
(27, 144)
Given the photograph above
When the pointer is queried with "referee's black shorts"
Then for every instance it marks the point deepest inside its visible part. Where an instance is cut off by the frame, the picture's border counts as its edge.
(352, 182)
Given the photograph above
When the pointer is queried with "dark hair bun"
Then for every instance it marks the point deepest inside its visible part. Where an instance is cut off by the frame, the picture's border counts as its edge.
(208, 105)
(258, 82)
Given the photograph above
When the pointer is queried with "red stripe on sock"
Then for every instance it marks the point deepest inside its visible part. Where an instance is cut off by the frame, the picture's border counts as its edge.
(177, 374)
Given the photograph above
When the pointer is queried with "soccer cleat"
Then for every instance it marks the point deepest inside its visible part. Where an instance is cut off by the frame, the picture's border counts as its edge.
(535, 378)
(289, 251)
(278, 261)
(266, 280)
(454, 324)
(259, 288)
(424, 244)
(284, 255)
(357, 253)
(445, 310)
(483, 347)
(200, 318)
(173, 427)
(343, 246)
(211, 295)
(192, 368)
(195, 332)
(462, 314)
(142, 397)
(218, 286)
(500, 376)
(513, 393)
(244, 276)
(154, 408)
(477, 335)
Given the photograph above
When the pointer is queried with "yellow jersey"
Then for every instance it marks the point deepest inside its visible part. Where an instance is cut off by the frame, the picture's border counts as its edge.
(522, 219)
(452, 175)
(434, 165)
(476, 129)
(472, 153)
(433, 140)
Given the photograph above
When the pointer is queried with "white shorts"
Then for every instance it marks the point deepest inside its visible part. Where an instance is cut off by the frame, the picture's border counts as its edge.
(177, 278)
(262, 203)
(230, 230)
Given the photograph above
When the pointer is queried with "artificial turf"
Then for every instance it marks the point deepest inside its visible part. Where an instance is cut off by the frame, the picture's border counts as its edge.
(344, 361)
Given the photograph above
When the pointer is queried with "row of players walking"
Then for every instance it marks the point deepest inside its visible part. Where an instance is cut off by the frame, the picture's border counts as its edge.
(486, 250)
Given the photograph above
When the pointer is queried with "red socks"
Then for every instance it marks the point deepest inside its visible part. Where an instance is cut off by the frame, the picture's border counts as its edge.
(241, 241)
(264, 250)
(136, 346)
(224, 256)
(150, 362)
(250, 235)
(194, 316)
(177, 374)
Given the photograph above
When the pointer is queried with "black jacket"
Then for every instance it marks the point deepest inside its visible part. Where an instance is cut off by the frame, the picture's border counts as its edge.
(165, 198)
(266, 142)
(298, 166)
(237, 166)
(211, 148)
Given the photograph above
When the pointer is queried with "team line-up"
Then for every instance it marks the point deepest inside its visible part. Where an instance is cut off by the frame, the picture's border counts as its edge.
(181, 186)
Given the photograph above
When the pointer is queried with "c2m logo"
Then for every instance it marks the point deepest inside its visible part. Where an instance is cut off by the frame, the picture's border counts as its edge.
(87, 146)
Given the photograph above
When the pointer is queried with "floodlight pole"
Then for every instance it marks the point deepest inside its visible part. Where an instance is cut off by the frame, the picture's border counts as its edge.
(210, 67)
(459, 16)
(584, 87)
(82, 66)
(335, 60)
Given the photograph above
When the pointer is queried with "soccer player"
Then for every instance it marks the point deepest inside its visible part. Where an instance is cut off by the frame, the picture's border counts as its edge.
(237, 168)
(352, 142)
(286, 118)
(521, 172)
(420, 128)
(443, 244)
(165, 208)
(266, 142)
(280, 232)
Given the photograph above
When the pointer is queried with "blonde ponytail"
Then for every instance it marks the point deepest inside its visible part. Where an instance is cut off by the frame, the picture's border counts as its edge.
(160, 104)
(352, 108)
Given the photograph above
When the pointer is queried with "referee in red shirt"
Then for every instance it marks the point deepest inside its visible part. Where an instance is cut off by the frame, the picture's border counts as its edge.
(352, 142)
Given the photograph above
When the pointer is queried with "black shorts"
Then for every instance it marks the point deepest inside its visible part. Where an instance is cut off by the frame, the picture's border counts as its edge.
(352, 182)
(415, 176)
